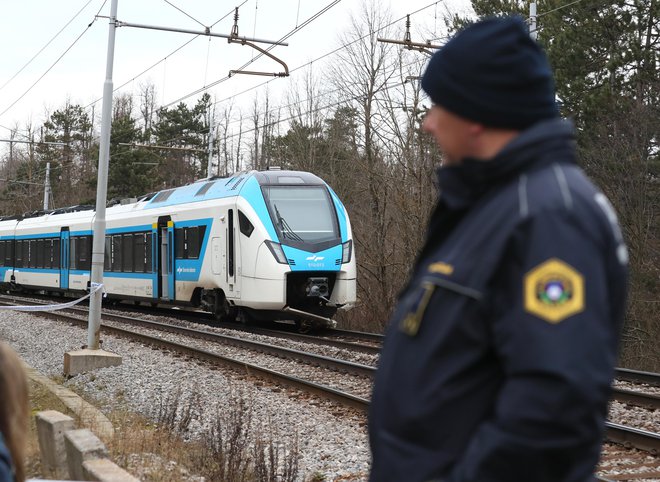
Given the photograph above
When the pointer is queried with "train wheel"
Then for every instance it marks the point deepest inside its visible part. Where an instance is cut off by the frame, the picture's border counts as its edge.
(304, 326)
(224, 312)
(243, 317)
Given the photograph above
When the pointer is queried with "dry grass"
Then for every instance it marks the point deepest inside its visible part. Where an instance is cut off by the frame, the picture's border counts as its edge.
(169, 445)
(40, 399)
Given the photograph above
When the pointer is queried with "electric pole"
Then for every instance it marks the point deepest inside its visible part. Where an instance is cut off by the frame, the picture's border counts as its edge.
(98, 243)
(532, 21)
(47, 187)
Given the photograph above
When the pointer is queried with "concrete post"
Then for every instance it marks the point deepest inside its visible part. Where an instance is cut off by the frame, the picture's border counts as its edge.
(82, 445)
(51, 426)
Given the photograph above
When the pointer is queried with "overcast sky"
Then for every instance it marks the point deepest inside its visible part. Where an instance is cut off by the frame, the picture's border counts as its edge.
(27, 27)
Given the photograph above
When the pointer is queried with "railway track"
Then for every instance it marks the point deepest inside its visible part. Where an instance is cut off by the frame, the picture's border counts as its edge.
(368, 343)
(627, 436)
(251, 369)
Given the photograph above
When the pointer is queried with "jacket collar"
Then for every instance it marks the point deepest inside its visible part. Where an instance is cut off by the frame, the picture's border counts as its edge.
(544, 143)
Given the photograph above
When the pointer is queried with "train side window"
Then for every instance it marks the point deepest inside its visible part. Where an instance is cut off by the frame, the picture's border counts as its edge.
(73, 251)
(84, 252)
(56, 253)
(48, 253)
(127, 253)
(80, 253)
(39, 253)
(3, 249)
(107, 254)
(140, 261)
(19, 254)
(25, 250)
(9, 253)
(245, 224)
(32, 253)
(116, 252)
(194, 238)
(180, 243)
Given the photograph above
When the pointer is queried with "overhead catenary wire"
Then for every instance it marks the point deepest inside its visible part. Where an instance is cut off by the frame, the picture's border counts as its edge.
(307, 112)
(185, 13)
(561, 7)
(47, 44)
(176, 50)
(285, 37)
(206, 87)
(332, 52)
(318, 59)
(327, 93)
(54, 63)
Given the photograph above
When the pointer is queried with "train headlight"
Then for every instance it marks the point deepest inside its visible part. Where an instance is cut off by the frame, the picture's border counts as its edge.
(278, 253)
(346, 249)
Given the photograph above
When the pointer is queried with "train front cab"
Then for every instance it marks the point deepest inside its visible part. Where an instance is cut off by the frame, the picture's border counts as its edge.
(306, 262)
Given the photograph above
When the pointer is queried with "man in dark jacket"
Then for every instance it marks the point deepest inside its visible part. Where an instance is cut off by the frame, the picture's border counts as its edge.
(499, 357)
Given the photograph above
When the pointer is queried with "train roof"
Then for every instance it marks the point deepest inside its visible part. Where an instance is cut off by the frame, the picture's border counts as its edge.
(217, 188)
(202, 190)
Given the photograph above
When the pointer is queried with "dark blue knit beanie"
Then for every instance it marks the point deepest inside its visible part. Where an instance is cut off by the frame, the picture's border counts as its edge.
(493, 73)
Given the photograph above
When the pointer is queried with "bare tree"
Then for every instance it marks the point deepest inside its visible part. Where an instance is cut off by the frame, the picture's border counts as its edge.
(362, 74)
(148, 107)
(254, 147)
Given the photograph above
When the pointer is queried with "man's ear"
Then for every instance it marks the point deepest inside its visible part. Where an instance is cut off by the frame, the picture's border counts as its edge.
(476, 129)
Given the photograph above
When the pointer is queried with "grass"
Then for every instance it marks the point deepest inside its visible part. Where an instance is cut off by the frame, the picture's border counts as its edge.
(40, 399)
(163, 447)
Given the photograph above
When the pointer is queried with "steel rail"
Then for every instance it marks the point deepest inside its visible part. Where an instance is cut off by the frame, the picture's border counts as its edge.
(637, 376)
(360, 335)
(314, 339)
(628, 436)
(636, 398)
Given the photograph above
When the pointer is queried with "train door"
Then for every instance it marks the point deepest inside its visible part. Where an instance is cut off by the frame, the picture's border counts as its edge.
(166, 258)
(233, 267)
(64, 257)
(155, 263)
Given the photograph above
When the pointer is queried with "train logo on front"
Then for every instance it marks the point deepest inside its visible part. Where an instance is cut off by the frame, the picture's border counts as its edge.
(315, 258)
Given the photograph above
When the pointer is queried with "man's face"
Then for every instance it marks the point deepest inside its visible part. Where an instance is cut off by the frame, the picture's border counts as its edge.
(451, 132)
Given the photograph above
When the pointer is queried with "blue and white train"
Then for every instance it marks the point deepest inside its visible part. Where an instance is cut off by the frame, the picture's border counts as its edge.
(260, 244)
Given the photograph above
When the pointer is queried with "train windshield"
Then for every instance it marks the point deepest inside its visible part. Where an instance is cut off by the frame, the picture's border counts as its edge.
(302, 215)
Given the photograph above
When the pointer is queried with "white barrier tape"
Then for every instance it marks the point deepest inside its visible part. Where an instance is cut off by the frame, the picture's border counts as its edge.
(94, 287)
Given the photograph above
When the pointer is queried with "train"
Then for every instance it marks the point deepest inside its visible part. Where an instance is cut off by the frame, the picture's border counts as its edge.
(257, 245)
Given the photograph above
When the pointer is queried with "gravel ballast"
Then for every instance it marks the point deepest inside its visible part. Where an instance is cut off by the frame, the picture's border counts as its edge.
(332, 440)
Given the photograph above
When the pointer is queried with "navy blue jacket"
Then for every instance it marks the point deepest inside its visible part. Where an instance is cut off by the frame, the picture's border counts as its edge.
(6, 465)
(498, 360)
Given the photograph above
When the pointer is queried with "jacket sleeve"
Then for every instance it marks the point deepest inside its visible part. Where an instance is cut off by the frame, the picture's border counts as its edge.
(555, 332)
(6, 467)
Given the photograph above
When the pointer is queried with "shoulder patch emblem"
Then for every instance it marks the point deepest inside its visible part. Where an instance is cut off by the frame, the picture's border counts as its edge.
(553, 291)
(441, 267)
(410, 323)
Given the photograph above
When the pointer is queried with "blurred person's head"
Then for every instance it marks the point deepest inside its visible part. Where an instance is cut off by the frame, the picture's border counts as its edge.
(488, 83)
(13, 407)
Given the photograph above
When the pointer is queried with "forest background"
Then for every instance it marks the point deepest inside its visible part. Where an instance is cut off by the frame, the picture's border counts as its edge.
(357, 124)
